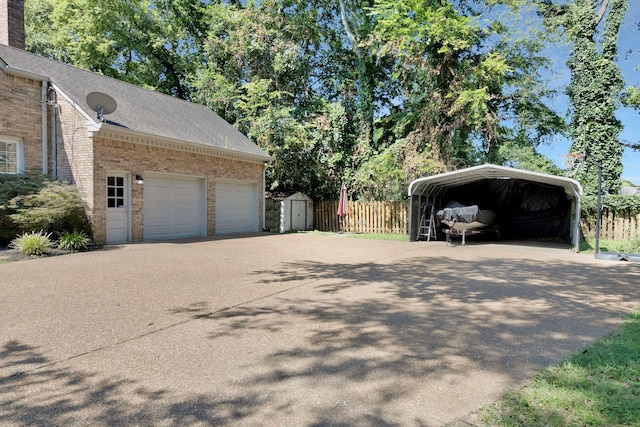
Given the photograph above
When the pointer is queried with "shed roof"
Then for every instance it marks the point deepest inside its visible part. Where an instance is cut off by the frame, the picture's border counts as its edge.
(434, 184)
(138, 109)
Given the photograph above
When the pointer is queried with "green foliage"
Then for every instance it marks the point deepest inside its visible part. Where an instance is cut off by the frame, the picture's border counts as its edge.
(606, 245)
(370, 92)
(463, 76)
(55, 206)
(34, 206)
(34, 243)
(524, 156)
(150, 43)
(10, 187)
(613, 202)
(631, 97)
(596, 82)
(381, 178)
(73, 240)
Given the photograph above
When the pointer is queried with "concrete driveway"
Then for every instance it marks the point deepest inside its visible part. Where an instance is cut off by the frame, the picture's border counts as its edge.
(293, 330)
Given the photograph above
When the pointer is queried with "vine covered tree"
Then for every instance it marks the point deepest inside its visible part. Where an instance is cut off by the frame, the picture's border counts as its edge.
(592, 27)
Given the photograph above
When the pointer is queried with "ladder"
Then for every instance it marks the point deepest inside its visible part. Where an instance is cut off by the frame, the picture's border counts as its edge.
(427, 226)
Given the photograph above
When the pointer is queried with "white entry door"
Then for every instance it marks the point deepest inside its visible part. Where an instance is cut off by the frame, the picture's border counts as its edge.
(117, 208)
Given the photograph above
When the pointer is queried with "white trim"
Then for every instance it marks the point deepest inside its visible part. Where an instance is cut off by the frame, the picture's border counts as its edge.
(21, 73)
(43, 128)
(19, 153)
(92, 123)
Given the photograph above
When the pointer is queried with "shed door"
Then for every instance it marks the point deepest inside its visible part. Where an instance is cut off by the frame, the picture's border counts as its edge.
(236, 207)
(298, 215)
(173, 207)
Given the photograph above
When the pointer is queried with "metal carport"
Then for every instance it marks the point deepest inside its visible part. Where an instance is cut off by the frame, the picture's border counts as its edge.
(480, 184)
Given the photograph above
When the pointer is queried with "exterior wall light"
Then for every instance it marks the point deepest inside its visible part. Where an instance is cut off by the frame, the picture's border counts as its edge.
(139, 179)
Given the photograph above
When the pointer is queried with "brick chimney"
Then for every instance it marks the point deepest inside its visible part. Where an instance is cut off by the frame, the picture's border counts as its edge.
(12, 23)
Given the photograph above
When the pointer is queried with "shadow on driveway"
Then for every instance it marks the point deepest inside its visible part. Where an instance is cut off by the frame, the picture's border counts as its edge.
(406, 340)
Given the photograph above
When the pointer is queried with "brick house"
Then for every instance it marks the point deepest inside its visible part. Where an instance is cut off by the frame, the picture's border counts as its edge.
(149, 166)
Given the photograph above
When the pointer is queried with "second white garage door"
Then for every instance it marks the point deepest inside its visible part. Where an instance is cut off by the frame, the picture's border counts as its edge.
(173, 207)
(236, 207)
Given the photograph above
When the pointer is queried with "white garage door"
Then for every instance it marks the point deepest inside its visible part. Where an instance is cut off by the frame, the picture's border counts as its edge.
(236, 207)
(173, 207)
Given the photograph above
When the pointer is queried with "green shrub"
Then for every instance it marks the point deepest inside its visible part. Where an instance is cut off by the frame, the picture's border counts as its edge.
(56, 206)
(33, 243)
(73, 240)
(12, 186)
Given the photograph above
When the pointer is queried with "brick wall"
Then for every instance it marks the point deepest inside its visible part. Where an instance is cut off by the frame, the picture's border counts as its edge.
(74, 152)
(21, 116)
(115, 156)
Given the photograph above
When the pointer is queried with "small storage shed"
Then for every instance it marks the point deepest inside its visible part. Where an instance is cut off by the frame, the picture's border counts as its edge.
(527, 205)
(295, 213)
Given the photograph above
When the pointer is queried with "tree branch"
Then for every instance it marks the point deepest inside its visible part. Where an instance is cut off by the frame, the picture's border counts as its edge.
(601, 11)
(347, 27)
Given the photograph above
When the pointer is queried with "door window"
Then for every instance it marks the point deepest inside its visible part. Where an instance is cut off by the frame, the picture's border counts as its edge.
(115, 192)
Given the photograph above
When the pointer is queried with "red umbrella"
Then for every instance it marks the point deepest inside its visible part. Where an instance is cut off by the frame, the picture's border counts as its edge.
(343, 204)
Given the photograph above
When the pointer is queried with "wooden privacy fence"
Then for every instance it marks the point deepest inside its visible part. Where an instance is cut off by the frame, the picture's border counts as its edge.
(364, 217)
(393, 217)
(272, 215)
(615, 226)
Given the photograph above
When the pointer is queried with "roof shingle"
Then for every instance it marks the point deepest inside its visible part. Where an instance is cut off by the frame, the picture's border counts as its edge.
(138, 109)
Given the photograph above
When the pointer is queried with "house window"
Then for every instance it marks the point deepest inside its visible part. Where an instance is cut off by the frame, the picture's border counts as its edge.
(10, 155)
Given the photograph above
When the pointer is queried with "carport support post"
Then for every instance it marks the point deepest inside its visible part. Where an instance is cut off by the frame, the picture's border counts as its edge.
(413, 220)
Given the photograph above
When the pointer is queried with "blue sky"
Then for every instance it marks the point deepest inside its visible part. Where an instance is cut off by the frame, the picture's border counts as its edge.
(629, 62)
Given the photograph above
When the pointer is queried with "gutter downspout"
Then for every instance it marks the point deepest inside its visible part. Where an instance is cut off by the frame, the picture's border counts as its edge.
(54, 134)
(44, 130)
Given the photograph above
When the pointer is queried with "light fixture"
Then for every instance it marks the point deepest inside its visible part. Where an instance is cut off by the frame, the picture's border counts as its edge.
(139, 179)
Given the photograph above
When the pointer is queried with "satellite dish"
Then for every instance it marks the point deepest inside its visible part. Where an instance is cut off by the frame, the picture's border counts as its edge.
(101, 103)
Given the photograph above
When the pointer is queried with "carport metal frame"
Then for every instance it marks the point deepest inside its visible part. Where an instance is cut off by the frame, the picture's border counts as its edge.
(433, 187)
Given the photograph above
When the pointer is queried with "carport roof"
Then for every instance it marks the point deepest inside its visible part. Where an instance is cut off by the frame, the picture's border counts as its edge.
(434, 184)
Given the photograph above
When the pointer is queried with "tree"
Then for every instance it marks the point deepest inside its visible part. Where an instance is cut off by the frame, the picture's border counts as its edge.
(372, 92)
(358, 25)
(268, 73)
(463, 79)
(596, 84)
(151, 43)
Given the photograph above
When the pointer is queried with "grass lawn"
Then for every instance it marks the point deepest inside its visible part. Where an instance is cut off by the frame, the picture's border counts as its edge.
(380, 236)
(598, 387)
(611, 245)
